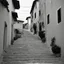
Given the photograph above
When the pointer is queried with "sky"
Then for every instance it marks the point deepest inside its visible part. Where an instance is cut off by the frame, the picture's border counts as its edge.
(24, 11)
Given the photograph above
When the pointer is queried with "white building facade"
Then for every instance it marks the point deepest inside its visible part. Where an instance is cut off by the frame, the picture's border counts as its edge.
(18, 25)
(4, 24)
(55, 23)
(51, 12)
(29, 23)
(6, 20)
(35, 13)
(42, 14)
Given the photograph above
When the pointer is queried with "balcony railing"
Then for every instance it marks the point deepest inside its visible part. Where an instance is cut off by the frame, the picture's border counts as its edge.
(16, 4)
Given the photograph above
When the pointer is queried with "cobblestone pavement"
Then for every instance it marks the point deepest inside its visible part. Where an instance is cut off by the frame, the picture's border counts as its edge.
(29, 50)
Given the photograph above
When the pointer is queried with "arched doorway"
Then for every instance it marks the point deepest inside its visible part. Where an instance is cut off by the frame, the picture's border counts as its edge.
(5, 36)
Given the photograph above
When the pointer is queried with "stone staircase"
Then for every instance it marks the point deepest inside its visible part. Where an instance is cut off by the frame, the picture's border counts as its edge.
(29, 50)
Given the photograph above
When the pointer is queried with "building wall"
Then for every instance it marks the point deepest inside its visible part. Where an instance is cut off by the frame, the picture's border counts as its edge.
(26, 26)
(49, 31)
(36, 10)
(55, 29)
(62, 29)
(41, 3)
(18, 26)
(42, 9)
(29, 23)
(11, 21)
(5, 31)
(4, 17)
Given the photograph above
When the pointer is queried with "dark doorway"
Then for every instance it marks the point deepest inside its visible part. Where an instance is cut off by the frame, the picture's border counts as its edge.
(35, 28)
(40, 27)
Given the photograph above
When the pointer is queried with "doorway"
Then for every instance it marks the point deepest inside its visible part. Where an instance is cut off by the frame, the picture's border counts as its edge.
(5, 37)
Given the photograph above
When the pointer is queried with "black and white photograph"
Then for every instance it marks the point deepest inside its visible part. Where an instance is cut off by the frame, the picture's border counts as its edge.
(31, 32)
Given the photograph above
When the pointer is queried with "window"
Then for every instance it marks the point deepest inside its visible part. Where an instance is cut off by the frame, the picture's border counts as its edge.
(48, 18)
(5, 36)
(39, 12)
(35, 15)
(59, 15)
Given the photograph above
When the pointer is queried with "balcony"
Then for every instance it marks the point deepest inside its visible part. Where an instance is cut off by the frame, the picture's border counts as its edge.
(15, 16)
(16, 4)
(4, 3)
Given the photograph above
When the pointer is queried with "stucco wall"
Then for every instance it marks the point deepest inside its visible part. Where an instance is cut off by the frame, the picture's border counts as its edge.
(41, 8)
(29, 23)
(18, 26)
(36, 10)
(4, 17)
(49, 31)
(62, 28)
(42, 17)
(55, 29)
(11, 34)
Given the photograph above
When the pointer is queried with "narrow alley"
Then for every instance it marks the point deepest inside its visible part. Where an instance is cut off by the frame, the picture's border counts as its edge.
(31, 31)
(29, 50)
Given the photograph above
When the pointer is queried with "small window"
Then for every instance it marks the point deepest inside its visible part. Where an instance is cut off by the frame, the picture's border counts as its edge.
(35, 15)
(59, 15)
(39, 12)
(48, 18)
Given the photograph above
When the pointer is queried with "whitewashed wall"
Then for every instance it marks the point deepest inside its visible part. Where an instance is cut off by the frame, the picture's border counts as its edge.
(11, 8)
(54, 29)
(36, 10)
(4, 17)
